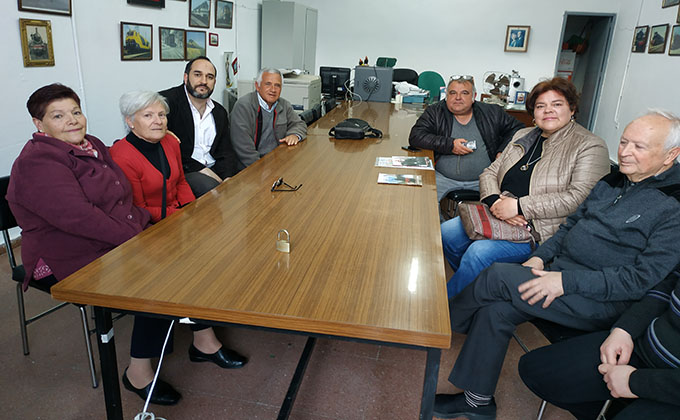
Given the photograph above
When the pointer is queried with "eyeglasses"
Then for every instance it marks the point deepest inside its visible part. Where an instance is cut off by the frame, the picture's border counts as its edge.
(457, 77)
(279, 182)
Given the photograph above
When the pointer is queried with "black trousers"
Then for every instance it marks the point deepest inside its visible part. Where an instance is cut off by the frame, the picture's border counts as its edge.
(565, 374)
(148, 335)
(199, 183)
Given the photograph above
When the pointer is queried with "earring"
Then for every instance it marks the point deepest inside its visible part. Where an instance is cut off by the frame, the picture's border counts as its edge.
(572, 117)
(533, 121)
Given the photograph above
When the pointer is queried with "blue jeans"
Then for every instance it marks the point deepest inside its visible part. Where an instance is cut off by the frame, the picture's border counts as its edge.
(468, 258)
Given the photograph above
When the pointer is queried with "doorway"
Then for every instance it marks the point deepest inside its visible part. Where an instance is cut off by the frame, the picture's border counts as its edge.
(584, 50)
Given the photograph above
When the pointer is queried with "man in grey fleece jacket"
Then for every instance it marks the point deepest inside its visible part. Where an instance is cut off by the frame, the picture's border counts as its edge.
(618, 244)
(262, 120)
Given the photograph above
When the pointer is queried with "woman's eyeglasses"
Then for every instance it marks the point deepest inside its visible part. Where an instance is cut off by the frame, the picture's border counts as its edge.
(279, 182)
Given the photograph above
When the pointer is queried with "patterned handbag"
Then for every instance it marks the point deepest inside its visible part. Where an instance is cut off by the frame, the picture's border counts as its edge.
(479, 223)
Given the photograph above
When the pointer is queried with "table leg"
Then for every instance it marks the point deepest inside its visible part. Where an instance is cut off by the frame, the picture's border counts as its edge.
(109, 366)
(430, 383)
(288, 402)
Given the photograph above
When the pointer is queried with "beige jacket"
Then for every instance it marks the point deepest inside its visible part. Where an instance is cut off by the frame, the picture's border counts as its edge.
(573, 160)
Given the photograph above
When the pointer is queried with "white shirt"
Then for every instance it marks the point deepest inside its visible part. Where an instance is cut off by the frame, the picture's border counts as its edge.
(264, 105)
(204, 132)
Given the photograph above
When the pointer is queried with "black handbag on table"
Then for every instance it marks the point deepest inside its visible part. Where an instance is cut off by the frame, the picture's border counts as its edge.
(354, 129)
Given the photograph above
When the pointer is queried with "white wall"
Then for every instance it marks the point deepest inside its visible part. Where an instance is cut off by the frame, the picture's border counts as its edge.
(105, 77)
(447, 36)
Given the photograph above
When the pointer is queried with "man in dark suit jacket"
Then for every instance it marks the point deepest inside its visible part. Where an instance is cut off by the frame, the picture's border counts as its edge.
(202, 125)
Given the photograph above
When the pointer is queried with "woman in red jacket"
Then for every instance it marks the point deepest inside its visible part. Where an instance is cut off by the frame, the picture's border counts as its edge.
(150, 158)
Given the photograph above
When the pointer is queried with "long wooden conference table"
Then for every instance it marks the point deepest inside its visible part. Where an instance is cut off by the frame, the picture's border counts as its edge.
(365, 262)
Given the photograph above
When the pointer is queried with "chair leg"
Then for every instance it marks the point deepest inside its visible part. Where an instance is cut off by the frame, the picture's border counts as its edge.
(541, 410)
(605, 407)
(88, 345)
(22, 318)
(520, 342)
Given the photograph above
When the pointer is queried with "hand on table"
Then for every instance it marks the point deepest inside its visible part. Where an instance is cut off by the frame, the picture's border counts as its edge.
(209, 172)
(290, 140)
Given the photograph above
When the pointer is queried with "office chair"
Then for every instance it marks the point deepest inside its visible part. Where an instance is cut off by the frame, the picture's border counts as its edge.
(405, 75)
(8, 222)
(432, 82)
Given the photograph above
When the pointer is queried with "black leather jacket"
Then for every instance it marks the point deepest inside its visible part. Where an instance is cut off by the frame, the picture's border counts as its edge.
(433, 129)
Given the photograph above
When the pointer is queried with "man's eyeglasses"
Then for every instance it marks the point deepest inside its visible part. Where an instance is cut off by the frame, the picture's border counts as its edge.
(465, 77)
(279, 182)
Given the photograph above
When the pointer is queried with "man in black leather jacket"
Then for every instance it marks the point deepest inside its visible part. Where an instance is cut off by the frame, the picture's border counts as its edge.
(462, 150)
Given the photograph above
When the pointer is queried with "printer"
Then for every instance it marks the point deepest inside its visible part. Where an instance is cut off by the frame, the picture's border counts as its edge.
(302, 91)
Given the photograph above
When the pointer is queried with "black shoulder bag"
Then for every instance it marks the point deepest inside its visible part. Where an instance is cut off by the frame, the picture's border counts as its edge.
(354, 129)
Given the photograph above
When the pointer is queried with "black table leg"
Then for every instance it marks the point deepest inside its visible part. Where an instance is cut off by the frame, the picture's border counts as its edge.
(288, 402)
(430, 383)
(109, 366)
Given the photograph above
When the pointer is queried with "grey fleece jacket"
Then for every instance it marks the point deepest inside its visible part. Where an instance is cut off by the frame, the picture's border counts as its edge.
(622, 239)
(246, 127)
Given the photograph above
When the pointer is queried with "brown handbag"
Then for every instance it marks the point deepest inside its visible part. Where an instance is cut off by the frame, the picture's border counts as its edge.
(479, 223)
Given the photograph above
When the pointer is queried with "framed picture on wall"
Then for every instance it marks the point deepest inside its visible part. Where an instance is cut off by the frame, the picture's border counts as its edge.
(36, 42)
(677, 20)
(657, 39)
(172, 44)
(669, 3)
(213, 40)
(135, 41)
(640, 39)
(153, 3)
(224, 13)
(199, 13)
(55, 7)
(674, 48)
(195, 44)
(517, 38)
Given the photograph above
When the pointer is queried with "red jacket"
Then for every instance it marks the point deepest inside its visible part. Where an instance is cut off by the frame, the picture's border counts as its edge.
(147, 181)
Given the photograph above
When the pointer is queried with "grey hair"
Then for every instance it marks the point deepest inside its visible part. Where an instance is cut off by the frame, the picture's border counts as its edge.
(131, 102)
(471, 82)
(268, 70)
(673, 138)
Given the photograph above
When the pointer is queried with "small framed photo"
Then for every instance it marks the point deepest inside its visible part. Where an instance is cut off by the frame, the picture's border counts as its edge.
(172, 44)
(669, 3)
(521, 97)
(195, 44)
(224, 13)
(135, 41)
(517, 38)
(674, 48)
(36, 42)
(677, 20)
(199, 13)
(153, 3)
(640, 39)
(657, 39)
(54, 7)
(213, 40)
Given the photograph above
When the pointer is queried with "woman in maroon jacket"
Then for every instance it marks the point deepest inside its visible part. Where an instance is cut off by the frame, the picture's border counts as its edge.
(74, 204)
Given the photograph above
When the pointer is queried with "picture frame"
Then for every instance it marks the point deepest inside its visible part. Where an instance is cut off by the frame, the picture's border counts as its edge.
(194, 45)
(53, 7)
(674, 48)
(658, 36)
(640, 36)
(171, 44)
(517, 38)
(136, 41)
(224, 14)
(521, 97)
(677, 20)
(669, 3)
(36, 42)
(213, 40)
(151, 3)
(199, 13)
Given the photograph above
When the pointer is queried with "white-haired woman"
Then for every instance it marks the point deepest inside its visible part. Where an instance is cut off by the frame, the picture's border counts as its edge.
(150, 158)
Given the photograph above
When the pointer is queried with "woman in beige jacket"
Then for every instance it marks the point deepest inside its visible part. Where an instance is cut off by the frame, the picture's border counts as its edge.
(550, 168)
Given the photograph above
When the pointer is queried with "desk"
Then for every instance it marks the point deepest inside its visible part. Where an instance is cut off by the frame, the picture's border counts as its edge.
(366, 260)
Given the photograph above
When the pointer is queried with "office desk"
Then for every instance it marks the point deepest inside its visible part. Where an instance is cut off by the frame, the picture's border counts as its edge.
(366, 259)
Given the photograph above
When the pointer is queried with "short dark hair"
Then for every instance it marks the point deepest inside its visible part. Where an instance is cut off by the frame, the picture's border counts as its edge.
(558, 84)
(187, 69)
(41, 98)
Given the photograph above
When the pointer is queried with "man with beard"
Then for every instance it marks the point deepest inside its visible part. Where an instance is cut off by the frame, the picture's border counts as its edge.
(202, 126)
(262, 120)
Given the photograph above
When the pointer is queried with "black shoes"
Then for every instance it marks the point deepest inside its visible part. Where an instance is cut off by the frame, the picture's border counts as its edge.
(163, 394)
(448, 406)
(224, 358)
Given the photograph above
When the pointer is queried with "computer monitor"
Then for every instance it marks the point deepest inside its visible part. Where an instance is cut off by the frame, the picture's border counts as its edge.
(334, 80)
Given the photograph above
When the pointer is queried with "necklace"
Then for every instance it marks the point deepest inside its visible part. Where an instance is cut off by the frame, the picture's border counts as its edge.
(530, 162)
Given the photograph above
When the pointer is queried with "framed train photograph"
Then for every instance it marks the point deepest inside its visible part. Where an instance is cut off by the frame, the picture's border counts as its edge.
(136, 41)
(172, 44)
(195, 44)
(36, 42)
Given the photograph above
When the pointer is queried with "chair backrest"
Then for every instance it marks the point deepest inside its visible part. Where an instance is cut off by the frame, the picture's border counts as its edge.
(405, 75)
(432, 82)
(7, 220)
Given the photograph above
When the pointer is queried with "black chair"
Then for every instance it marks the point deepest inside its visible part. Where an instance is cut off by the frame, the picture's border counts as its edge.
(8, 222)
(405, 75)
(450, 202)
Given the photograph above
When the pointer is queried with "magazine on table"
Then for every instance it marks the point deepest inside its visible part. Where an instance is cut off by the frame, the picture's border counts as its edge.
(411, 162)
(400, 179)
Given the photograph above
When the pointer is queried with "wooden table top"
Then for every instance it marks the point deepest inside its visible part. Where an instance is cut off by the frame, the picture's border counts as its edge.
(366, 258)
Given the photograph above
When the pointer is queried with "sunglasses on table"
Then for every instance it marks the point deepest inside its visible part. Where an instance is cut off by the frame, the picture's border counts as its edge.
(277, 186)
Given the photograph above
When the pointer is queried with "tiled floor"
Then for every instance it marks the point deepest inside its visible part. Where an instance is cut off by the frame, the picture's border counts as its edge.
(344, 380)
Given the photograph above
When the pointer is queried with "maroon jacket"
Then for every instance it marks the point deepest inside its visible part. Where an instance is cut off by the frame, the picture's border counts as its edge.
(72, 208)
